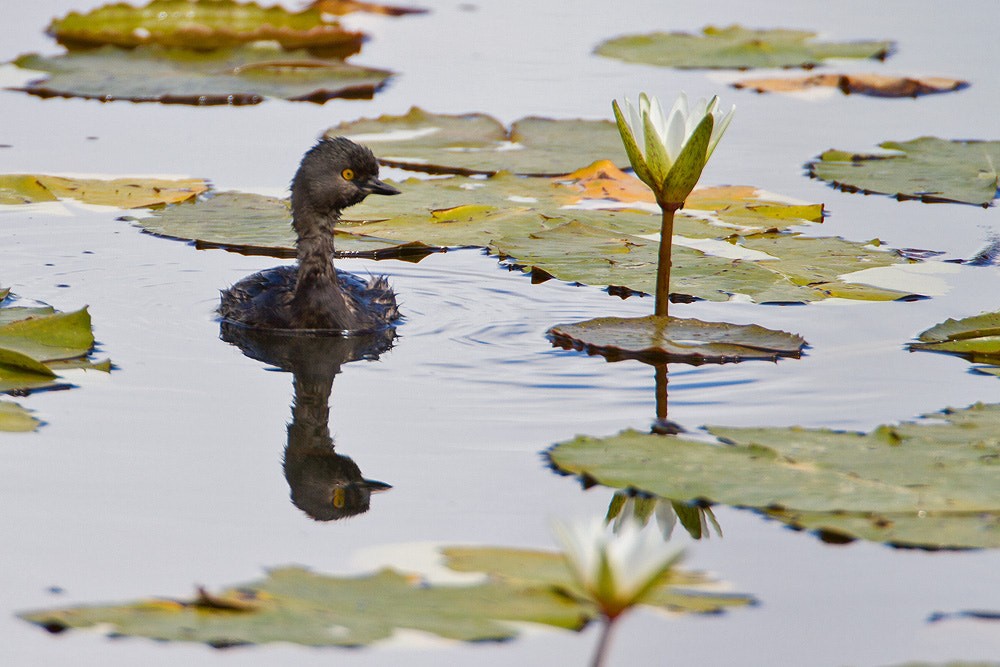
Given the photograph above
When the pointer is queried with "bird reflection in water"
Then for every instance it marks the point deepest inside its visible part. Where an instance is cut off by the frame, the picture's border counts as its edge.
(324, 484)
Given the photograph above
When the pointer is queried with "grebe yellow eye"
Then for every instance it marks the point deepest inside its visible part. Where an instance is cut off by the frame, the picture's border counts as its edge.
(348, 174)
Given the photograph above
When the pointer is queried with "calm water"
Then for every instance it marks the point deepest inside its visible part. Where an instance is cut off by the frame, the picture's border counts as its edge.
(167, 473)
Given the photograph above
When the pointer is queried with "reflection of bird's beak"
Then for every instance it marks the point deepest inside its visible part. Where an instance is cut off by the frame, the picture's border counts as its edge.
(376, 187)
(374, 486)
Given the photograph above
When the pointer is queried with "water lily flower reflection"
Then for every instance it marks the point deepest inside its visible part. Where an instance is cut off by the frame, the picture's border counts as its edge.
(615, 570)
(669, 151)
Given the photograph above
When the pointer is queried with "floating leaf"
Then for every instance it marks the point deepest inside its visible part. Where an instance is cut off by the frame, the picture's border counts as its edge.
(204, 25)
(658, 339)
(874, 85)
(479, 144)
(340, 7)
(14, 418)
(928, 169)
(120, 192)
(240, 75)
(929, 484)
(736, 47)
(295, 605)
(974, 338)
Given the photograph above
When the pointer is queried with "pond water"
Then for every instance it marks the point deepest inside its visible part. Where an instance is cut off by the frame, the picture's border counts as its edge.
(167, 473)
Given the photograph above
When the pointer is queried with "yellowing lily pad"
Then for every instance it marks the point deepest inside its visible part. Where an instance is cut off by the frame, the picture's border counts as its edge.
(120, 192)
(479, 144)
(203, 25)
(659, 339)
(736, 47)
(298, 606)
(14, 418)
(926, 483)
(874, 85)
(928, 169)
(236, 76)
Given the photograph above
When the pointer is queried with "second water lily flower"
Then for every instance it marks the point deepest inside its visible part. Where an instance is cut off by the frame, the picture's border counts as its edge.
(669, 151)
(615, 570)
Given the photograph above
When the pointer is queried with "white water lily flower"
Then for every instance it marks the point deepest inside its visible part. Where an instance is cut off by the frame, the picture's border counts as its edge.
(669, 151)
(616, 570)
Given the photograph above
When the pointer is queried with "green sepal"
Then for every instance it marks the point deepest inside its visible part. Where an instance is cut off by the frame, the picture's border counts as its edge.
(631, 147)
(657, 159)
(684, 175)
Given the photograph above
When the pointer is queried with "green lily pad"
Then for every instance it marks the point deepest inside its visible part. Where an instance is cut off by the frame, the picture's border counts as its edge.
(239, 75)
(530, 222)
(298, 606)
(479, 144)
(879, 486)
(659, 339)
(928, 169)
(974, 338)
(120, 192)
(14, 418)
(736, 47)
(204, 25)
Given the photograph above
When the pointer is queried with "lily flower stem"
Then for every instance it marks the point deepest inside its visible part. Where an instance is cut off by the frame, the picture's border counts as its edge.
(663, 266)
(602, 643)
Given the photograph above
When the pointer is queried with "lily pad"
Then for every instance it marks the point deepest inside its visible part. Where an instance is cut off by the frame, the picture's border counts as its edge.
(928, 484)
(236, 76)
(927, 169)
(974, 338)
(340, 7)
(204, 25)
(120, 192)
(658, 339)
(14, 418)
(475, 143)
(534, 223)
(736, 47)
(874, 85)
(298, 606)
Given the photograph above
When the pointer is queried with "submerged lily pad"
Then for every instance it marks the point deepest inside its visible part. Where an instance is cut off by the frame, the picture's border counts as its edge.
(928, 169)
(658, 339)
(240, 75)
(532, 223)
(736, 47)
(120, 192)
(928, 484)
(203, 25)
(874, 85)
(974, 338)
(298, 606)
(479, 144)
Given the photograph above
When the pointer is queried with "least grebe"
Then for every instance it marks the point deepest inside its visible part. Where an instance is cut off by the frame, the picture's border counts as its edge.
(334, 174)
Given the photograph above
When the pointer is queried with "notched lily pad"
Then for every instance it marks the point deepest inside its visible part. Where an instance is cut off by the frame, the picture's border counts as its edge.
(298, 606)
(928, 484)
(928, 169)
(235, 76)
(874, 85)
(203, 25)
(658, 339)
(475, 143)
(119, 192)
(736, 47)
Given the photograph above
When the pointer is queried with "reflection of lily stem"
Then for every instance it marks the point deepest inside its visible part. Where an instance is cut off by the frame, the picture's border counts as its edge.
(663, 266)
(602, 643)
